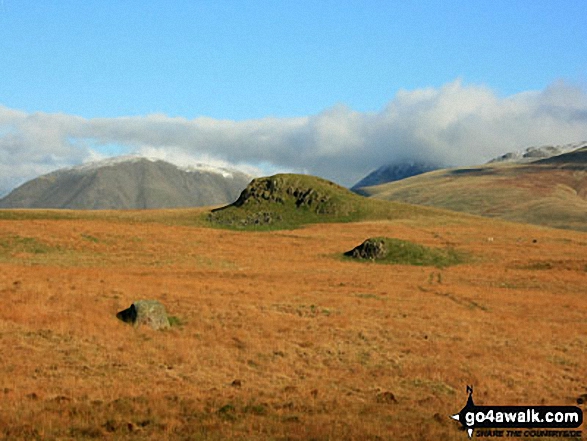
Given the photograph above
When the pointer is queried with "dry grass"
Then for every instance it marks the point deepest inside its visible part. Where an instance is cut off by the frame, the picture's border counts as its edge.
(279, 337)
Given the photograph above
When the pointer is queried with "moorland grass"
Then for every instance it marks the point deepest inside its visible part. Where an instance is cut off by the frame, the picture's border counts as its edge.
(279, 340)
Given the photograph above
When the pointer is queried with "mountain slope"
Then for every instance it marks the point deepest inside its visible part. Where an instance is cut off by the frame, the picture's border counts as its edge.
(128, 183)
(394, 172)
(550, 192)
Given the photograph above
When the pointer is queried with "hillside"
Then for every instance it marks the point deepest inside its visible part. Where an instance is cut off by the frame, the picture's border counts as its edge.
(394, 172)
(290, 200)
(399, 170)
(278, 336)
(550, 192)
(128, 183)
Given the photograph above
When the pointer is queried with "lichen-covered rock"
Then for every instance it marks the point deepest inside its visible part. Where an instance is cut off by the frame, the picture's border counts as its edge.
(145, 312)
(372, 249)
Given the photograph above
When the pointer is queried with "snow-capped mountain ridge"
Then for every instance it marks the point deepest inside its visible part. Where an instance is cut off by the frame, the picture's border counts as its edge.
(116, 160)
(536, 153)
(129, 182)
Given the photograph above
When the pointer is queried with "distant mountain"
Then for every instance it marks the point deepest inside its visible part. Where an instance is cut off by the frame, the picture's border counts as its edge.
(129, 183)
(550, 191)
(532, 154)
(394, 172)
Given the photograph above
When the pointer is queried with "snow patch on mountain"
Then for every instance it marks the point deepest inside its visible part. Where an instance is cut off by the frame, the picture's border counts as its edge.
(127, 159)
(534, 153)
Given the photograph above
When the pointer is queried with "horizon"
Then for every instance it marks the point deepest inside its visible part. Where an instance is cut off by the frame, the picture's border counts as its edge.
(330, 89)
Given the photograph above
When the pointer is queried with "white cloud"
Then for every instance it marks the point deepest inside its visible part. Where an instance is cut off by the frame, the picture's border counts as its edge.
(455, 124)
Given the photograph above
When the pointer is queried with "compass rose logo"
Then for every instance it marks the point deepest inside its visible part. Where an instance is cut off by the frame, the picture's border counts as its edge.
(469, 407)
(533, 418)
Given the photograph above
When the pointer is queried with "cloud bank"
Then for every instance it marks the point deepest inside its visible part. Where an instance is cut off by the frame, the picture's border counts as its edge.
(454, 124)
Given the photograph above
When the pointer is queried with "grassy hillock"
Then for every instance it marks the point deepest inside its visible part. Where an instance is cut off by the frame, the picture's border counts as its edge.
(288, 201)
(403, 252)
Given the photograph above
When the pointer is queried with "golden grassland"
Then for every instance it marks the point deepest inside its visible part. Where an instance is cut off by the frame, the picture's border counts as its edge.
(279, 337)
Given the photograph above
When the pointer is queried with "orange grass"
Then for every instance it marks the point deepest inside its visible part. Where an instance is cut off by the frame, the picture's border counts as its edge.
(280, 338)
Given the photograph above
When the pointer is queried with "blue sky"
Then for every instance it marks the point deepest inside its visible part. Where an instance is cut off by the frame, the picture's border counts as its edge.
(292, 83)
(252, 59)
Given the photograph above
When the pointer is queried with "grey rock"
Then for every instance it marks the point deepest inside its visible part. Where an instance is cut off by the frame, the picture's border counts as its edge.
(371, 249)
(145, 312)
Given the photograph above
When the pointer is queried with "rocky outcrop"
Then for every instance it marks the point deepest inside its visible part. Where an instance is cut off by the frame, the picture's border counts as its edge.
(276, 189)
(371, 249)
(145, 312)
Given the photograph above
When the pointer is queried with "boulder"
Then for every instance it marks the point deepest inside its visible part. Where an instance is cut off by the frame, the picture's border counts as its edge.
(370, 249)
(145, 312)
